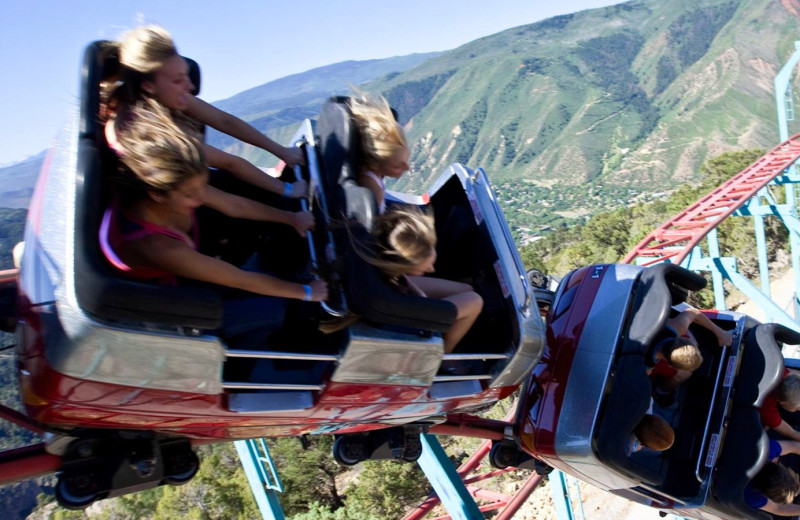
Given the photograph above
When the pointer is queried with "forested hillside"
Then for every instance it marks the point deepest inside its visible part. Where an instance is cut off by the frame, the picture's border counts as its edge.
(582, 111)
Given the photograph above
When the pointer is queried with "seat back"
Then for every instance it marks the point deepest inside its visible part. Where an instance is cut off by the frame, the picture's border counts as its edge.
(625, 406)
(367, 293)
(100, 289)
(340, 149)
(744, 454)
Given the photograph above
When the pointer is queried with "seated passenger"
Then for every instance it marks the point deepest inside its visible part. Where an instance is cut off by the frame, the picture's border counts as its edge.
(150, 233)
(786, 396)
(674, 353)
(383, 145)
(153, 69)
(652, 432)
(775, 486)
(405, 252)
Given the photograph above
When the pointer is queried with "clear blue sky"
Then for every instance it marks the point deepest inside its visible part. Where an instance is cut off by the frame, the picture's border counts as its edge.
(238, 43)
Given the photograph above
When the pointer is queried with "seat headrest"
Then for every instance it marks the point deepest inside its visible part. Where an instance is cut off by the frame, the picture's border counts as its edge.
(100, 62)
(339, 142)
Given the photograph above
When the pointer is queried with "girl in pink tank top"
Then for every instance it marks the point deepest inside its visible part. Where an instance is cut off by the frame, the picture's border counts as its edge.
(153, 71)
(151, 234)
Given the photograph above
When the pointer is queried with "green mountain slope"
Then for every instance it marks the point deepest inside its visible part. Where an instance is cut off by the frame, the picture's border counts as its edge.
(598, 107)
(277, 107)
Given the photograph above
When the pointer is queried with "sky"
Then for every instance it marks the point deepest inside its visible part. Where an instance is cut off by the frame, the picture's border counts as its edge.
(239, 44)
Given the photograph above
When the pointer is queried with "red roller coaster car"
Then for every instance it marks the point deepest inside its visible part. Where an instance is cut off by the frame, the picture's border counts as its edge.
(127, 375)
(581, 403)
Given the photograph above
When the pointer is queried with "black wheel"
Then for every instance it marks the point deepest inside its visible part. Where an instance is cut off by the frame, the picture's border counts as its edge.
(537, 278)
(348, 451)
(413, 449)
(185, 466)
(72, 498)
(502, 455)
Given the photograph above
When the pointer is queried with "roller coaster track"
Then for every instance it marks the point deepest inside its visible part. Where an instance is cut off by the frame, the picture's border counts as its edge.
(674, 240)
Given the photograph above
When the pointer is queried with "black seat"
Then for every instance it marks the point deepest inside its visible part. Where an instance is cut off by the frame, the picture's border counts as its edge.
(367, 293)
(100, 290)
(659, 288)
(625, 406)
(340, 148)
(745, 452)
(762, 363)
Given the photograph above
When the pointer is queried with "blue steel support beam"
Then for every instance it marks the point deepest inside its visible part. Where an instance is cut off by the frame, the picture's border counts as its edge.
(560, 492)
(782, 81)
(264, 490)
(782, 84)
(728, 268)
(761, 248)
(716, 275)
(789, 216)
(446, 481)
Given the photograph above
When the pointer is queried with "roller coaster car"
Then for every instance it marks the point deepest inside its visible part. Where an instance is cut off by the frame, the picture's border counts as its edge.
(109, 361)
(582, 402)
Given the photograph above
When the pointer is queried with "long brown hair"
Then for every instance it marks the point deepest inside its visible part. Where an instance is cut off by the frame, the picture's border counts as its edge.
(159, 153)
(404, 237)
(140, 53)
(381, 136)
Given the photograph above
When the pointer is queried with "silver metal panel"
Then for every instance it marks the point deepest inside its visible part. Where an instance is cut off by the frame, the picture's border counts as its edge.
(589, 372)
(451, 389)
(146, 360)
(266, 354)
(529, 351)
(45, 254)
(504, 245)
(381, 357)
(270, 386)
(270, 402)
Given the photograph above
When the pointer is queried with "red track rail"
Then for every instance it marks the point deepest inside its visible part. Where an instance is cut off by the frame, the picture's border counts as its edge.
(466, 425)
(674, 239)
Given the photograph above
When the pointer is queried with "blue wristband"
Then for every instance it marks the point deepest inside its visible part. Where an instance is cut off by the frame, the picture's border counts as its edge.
(287, 189)
(307, 290)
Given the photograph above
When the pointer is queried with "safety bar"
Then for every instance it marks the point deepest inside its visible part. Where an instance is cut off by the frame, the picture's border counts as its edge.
(339, 308)
(269, 386)
(470, 357)
(723, 361)
(656, 496)
(439, 379)
(8, 275)
(265, 354)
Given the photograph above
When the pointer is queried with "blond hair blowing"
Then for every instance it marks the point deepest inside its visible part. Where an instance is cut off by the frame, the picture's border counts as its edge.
(684, 355)
(405, 237)
(159, 153)
(381, 136)
(655, 433)
(146, 48)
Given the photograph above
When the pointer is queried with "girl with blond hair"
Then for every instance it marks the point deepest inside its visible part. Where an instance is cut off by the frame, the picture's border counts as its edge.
(384, 147)
(153, 69)
(404, 253)
(150, 233)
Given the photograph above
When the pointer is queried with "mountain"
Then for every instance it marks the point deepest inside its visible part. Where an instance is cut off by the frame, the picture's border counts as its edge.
(578, 112)
(278, 106)
(17, 181)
